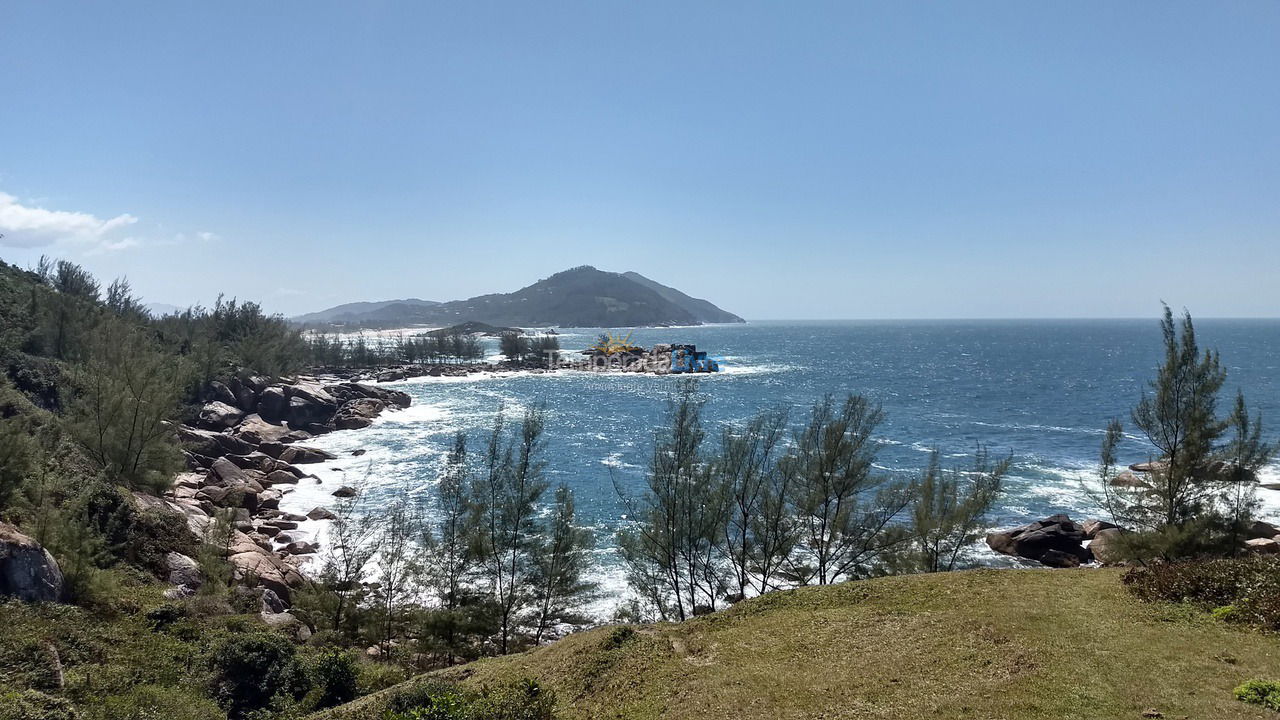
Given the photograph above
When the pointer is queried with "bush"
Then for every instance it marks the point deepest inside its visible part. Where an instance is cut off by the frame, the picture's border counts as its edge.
(336, 678)
(618, 637)
(521, 700)
(34, 705)
(251, 670)
(1245, 590)
(375, 676)
(1260, 692)
(154, 702)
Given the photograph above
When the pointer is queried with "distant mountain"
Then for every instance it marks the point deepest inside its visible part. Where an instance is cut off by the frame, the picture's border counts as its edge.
(365, 312)
(579, 297)
(162, 309)
(703, 310)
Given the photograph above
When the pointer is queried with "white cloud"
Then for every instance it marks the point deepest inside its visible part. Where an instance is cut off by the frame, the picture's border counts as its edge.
(27, 226)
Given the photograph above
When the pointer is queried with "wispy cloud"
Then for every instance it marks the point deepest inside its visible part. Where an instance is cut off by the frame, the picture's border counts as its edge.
(29, 226)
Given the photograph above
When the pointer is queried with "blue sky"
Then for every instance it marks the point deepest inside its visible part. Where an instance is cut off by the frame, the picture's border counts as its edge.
(785, 160)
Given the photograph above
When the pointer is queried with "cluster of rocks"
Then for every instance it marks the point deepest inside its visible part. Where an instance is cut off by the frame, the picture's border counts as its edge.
(1217, 471)
(1058, 541)
(1263, 538)
(406, 372)
(243, 455)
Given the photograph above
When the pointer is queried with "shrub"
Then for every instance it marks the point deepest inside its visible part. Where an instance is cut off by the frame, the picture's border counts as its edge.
(251, 670)
(336, 678)
(154, 702)
(162, 616)
(375, 676)
(1245, 590)
(521, 700)
(618, 637)
(35, 705)
(1260, 692)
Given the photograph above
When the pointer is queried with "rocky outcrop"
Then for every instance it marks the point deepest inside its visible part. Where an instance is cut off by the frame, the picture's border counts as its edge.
(1056, 541)
(218, 415)
(358, 413)
(243, 458)
(27, 571)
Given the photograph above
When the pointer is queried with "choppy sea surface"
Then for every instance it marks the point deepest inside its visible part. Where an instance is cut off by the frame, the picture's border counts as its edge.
(1042, 391)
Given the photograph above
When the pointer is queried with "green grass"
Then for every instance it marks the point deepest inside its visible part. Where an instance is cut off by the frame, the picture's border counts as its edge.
(982, 644)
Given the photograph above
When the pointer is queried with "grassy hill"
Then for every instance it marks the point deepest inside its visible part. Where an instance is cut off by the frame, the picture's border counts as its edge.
(981, 644)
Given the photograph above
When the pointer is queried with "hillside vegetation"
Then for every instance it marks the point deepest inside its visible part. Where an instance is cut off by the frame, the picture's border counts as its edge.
(976, 644)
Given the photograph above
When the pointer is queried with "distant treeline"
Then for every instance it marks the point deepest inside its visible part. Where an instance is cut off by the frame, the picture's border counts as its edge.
(453, 346)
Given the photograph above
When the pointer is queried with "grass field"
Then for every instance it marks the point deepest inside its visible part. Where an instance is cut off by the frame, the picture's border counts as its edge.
(1007, 644)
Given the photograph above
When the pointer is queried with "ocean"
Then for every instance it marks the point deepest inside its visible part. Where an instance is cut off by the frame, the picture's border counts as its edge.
(1042, 391)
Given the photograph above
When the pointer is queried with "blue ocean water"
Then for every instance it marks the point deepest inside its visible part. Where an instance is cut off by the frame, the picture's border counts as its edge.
(1042, 391)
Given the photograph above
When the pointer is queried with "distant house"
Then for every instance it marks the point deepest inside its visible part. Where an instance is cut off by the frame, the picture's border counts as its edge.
(689, 359)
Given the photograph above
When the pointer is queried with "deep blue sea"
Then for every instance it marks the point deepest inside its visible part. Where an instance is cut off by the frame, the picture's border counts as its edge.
(1040, 390)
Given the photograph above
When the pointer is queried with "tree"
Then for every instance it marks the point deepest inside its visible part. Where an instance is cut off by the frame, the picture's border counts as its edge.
(745, 470)
(844, 510)
(400, 526)
(544, 350)
(1193, 469)
(504, 497)
(128, 393)
(448, 565)
(560, 565)
(947, 510)
(514, 346)
(120, 300)
(672, 548)
(1197, 493)
(351, 536)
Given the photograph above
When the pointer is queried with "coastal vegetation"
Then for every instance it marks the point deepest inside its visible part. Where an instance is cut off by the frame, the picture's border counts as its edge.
(138, 610)
(757, 514)
(1197, 496)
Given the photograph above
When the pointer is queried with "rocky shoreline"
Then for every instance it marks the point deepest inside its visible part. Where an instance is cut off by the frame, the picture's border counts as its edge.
(244, 452)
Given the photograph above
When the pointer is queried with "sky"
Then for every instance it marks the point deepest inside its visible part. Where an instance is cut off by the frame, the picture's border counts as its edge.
(784, 160)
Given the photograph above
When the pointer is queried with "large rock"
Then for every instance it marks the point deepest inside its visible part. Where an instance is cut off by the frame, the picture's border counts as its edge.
(224, 472)
(287, 624)
(350, 391)
(210, 444)
(1129, 480)
(255, 430)
(297, 455)
(183, 571)
(1106, 546)
(1259, 529)
(268, 571)
(273, 404)
(219, 415)
(1093, 527)
(246, 398)
(358, 413)
(303, 413)
(27, 571)
(1262, 546)
(280, 477)
(1056, 541)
